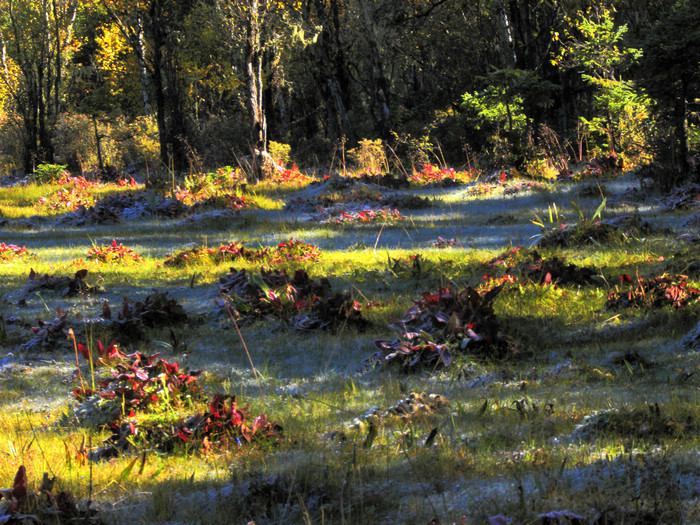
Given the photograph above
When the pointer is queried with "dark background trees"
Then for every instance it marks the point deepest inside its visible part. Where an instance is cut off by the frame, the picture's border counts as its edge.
(207, 82)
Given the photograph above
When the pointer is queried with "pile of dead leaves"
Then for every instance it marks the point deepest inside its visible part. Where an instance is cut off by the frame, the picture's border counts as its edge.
(665, 290)
(441, 324)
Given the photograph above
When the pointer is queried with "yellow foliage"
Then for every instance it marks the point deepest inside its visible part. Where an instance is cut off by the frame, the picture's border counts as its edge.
(114, 57)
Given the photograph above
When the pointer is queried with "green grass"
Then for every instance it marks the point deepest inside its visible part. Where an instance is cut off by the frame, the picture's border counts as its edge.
(511, 441)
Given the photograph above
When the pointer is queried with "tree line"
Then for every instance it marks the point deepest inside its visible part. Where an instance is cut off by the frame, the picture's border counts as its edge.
(189, 85)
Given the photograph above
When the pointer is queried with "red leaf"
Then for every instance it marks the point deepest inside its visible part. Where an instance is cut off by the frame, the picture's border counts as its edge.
(19, 487)
(84, 351)
(82, 393)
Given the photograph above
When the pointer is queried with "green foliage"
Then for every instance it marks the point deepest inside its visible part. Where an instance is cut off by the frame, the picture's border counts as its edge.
(279, 152)
(591, 46)
(48, 173)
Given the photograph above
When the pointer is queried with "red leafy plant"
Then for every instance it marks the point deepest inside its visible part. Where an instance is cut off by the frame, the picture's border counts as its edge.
(139, 385)
(139, 382)
(113, 253)
(226, 252)
(76, 193)
(665, 290)
(293, 250)
(440, 324)
(444, 243)
(227, 423)
(9, 252)
(363, 216)
(68, 199)
(44, 506)
(307, 304)
(291, 175)
(202, 186)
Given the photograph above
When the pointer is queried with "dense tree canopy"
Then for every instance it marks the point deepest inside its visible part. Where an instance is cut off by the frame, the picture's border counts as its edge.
(182, 85)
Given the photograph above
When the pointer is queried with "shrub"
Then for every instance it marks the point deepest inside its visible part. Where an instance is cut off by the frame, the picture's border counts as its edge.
(47, 173)
(369, 157)
(113, 253)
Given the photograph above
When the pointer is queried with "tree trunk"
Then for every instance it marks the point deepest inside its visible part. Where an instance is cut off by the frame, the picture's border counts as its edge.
(169, 117)
(254, 85)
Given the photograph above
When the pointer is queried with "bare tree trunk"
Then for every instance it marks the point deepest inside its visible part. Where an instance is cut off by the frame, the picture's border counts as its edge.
(254, 84)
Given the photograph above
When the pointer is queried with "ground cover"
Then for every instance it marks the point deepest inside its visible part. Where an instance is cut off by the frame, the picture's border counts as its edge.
(339, 350)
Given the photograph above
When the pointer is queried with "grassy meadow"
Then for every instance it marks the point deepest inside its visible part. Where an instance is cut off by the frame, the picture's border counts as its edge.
(358, 391)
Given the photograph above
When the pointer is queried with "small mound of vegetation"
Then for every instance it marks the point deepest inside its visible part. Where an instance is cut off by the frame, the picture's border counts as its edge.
(142, 401)
(113, 254)
(292, 250)
(157, 310)
(442, 324)
(304, 303)
(64, 285)
(531, 266)
(665, 290)
(9, 252)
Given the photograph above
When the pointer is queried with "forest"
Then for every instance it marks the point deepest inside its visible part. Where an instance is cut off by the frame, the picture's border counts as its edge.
(350, 262)
(188, 86)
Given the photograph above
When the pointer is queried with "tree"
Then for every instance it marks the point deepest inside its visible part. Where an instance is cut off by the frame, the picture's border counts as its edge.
(268, 27)
(35, 37)
(153, 29)
(591, 47)
(670, 73)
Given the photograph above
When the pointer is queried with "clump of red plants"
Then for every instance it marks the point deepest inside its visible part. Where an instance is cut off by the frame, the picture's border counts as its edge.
(439, 325)
(299, 300)
(292, 250)
(364, 216)
(138, 385)
(76, 192)
(291, 175)
(113, 253)
(45, 506)
(9, 252)
(664, 290)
